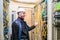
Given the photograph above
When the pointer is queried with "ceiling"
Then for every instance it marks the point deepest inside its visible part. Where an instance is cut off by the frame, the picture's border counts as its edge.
(27, 3)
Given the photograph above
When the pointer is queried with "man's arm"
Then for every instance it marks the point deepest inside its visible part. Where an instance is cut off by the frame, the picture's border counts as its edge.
(30, 28)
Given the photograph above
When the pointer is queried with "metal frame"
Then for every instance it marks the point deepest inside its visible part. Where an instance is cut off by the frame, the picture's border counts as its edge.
(1, 20)
(49, 20)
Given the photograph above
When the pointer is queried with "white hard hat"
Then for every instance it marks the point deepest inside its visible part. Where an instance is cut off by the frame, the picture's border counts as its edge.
(21, 10)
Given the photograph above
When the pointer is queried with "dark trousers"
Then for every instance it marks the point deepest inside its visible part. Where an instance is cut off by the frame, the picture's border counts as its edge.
(24, 39)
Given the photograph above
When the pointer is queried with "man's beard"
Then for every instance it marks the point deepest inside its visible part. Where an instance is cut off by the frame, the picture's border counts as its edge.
(21, 18)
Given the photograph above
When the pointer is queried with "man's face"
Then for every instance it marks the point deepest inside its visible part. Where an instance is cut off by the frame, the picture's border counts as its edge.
(21, 14)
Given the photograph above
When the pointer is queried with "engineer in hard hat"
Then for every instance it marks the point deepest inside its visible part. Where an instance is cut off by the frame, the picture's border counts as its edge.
(20, 28)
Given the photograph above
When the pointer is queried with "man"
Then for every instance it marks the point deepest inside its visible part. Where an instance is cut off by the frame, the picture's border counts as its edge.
(20, 28)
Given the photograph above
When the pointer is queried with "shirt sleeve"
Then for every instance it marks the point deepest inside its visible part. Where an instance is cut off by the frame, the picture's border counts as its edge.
(30, 28)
